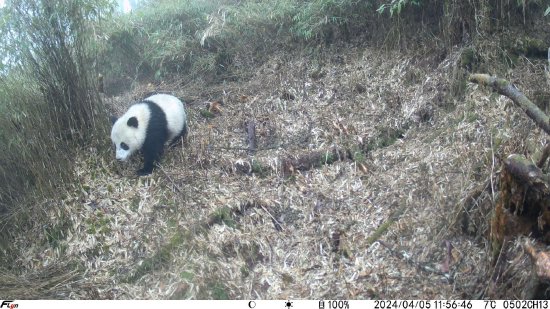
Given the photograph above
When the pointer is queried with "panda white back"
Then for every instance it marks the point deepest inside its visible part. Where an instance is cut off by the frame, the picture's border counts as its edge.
(174, 110)
(147, 126)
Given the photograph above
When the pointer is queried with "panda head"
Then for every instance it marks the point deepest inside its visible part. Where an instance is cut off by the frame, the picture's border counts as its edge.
(128, 132)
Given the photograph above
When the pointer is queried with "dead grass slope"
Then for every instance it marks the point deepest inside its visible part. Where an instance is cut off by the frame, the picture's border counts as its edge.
(216, 222)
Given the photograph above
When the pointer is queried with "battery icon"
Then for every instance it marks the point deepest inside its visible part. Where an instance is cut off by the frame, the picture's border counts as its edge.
(321, 304)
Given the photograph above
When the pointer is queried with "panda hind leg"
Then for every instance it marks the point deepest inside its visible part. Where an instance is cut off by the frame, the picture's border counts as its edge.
(176, 139)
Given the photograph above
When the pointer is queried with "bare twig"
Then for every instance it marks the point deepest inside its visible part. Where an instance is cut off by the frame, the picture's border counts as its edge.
(427, 267)
(527, 172)
(169, 179)
(278, 224)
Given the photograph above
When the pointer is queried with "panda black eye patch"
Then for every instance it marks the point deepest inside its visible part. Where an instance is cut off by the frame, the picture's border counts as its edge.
(124, 146)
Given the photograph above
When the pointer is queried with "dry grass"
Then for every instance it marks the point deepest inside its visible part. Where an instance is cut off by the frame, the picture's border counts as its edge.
(200, 227)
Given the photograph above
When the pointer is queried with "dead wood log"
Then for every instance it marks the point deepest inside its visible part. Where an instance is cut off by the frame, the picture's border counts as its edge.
(292, 163)
(523, 207)
(251, 131)
(409, 258)
(527, 172)
(504, 87)
(312, 159)
(541, 259)
(544, 155)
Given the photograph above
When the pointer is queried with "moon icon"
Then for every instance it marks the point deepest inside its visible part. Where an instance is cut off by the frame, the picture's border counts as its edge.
(251, 304)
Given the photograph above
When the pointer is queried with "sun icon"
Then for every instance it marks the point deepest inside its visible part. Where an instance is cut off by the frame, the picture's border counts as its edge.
(288, 304)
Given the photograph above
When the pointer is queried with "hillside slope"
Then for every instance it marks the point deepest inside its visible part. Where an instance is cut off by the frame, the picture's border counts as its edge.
(297, 219)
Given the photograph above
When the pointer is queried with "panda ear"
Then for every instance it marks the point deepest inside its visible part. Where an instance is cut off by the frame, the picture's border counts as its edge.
(113, 119)
(132, 122)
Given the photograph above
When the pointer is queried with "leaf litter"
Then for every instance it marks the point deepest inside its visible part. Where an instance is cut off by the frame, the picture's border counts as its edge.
(386, 219)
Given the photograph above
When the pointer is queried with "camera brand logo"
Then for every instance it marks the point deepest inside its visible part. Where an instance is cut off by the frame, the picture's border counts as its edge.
(9, 304)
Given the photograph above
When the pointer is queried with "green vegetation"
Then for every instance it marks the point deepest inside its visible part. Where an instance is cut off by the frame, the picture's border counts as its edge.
(213, 39)
(357, 155)
(161, 258)
(396, 6)
(223, 215)
(48, 100)
(386, 137)
(259, 170)
(98, 225)
(207, 114)
(207, 39)
(328, 158)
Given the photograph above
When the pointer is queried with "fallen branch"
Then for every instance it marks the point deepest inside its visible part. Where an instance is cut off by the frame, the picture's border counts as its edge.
(547, 69)
(383, 228)
(422, 266)
(504, 87)
(312, 159)
(291, 164)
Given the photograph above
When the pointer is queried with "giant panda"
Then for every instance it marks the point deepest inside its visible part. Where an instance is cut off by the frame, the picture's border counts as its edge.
(147, 126)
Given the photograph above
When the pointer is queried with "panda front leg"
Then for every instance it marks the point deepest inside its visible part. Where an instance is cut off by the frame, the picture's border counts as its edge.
(151, 156)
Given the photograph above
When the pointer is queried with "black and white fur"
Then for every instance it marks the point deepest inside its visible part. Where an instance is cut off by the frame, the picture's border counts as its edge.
(147, 126)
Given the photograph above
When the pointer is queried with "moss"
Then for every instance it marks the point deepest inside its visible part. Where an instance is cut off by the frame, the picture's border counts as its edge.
(218, 291)
(178, 239)
(471, 117)
(468, 59)
(98, 224)
(245, 272)
(327, 158)
(185, 275)
(91, 230)
(387, 137)
(134, 203)
(501, 83)
(222, 215)
(259, 169)
(358, 155)
(56, 233)
(530, 47)
(290, 179)
(207, 114)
